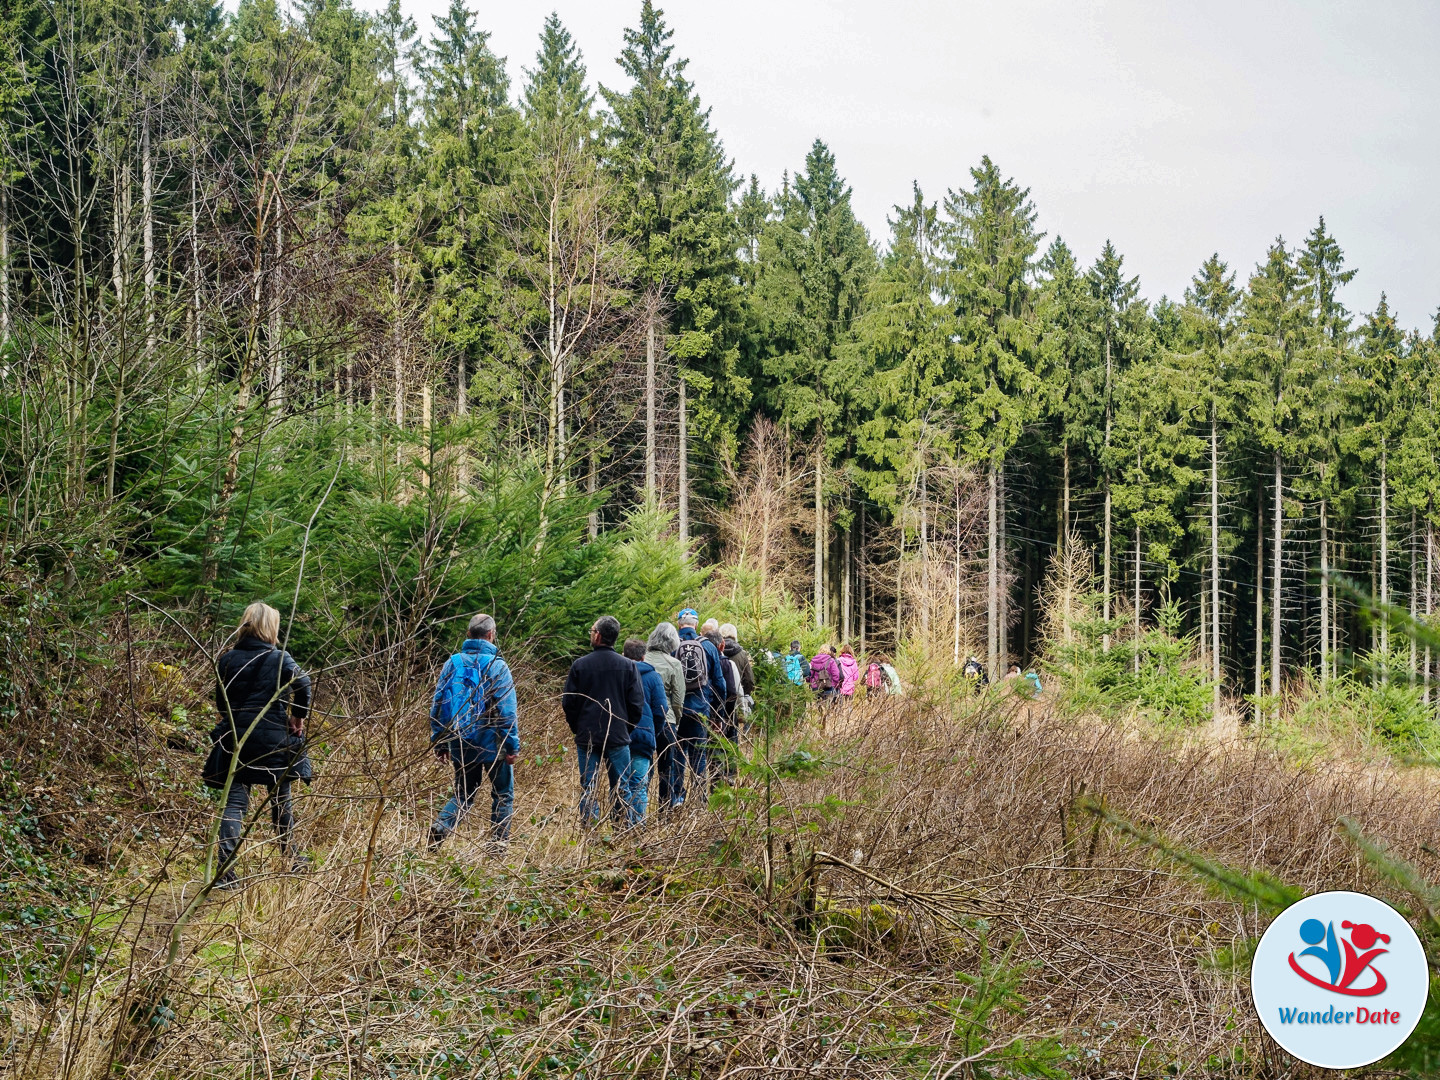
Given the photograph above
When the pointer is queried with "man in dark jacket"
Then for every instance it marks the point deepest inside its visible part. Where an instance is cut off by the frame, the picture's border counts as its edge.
(703, 696)
(262, 699)
(603, 701)
(474, 725)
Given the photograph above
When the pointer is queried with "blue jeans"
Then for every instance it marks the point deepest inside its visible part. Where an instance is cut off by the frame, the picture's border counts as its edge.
(471, 774)
(669, 765)
(617, 765)
(694, 741)
(639, 787)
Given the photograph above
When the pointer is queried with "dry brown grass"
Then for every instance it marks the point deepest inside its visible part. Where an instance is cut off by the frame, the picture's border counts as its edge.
(934, 834)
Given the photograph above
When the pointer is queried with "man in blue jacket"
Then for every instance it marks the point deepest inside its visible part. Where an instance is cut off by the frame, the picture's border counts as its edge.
(474, 723)
(655, 717)
(705, 692)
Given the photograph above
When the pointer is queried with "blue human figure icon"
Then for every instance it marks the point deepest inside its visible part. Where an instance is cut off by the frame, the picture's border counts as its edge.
(1313, 932)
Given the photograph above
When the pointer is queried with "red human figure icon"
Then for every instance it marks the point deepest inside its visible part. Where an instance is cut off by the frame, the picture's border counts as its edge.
(1364, 936)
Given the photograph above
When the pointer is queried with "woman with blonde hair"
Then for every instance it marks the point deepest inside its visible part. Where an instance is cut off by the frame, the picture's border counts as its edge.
(261, 698)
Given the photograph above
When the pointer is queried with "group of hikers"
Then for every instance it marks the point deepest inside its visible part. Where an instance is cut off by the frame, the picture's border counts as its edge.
(651, 711)
(641, 709)
(836, 674)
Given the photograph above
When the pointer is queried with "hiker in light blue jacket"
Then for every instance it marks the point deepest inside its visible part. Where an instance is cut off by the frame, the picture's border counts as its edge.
(474, 724)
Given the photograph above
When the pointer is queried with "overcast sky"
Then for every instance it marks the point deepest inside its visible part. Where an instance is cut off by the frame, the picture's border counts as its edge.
(1172, 128)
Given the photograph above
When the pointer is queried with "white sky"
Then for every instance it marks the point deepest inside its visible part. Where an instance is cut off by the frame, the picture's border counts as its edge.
(1173, 128)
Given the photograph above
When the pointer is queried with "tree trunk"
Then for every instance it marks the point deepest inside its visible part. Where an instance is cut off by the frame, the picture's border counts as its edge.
(845, 592)
(1137, 599)
(1414, 581)
(4, 266)
(1215, 669)
(196, 324)
(650, 410)
(249, 363)
(1324, 594)
(425, 417)
(1063, 538)
(552, 482)
(1002, 601)
(1106, 555)
(900, 582)
(120, 259)
(1429, 591)
(1384, 563)
(1276, 595)
(992, 585)
(820, 536)
(1260, 591)
(684, 481)
(863, 578)
(957, 571)
(147, 219)
(277, 359)
(924, 556)
(592, 487)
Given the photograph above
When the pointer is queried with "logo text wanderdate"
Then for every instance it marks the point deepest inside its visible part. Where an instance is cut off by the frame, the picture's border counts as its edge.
(1333, 1015)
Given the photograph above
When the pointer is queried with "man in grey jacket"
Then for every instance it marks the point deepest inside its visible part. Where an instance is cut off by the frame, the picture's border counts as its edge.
(660, 654)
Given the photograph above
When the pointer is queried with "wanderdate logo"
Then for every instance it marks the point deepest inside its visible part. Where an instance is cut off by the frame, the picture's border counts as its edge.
(1343, 971)
(1339, 980)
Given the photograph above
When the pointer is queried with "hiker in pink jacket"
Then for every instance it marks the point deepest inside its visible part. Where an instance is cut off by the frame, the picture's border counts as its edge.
(849, 672)
(825, 675)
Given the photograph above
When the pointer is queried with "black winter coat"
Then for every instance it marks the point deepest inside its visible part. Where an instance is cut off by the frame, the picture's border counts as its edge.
(603, 699)
(260, 685)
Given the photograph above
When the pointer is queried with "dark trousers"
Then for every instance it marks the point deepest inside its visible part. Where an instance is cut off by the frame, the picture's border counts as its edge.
(694, 743)
(232, 818)
(471, 776)
(722, 758)
(669, 765)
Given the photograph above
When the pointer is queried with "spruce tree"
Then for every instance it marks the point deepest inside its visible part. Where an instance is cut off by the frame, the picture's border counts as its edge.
(673, 184)
(1277, 388)
(1066, 315)
(470, 133)
(1114, 296)
(1212, 301)
(1322, 272)
(1377, 396)
(816, 262)
(990, 242)
(568, 269)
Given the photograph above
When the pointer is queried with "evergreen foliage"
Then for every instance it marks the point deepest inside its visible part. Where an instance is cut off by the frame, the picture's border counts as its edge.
(244, 252)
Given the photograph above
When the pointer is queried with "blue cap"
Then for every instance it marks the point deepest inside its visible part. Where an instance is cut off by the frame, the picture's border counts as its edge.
(688, 613)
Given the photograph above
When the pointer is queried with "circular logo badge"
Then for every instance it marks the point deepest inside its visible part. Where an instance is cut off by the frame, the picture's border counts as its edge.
(1339, 980)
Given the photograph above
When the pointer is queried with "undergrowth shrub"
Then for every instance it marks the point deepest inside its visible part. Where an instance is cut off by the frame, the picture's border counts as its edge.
(1391, 715)
(1155, 674)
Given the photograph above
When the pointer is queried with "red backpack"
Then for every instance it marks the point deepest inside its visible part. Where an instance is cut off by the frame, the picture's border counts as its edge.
(874, 676)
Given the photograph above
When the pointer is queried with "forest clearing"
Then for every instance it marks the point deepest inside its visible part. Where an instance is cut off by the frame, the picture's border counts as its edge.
(306, 307)
(921, 887)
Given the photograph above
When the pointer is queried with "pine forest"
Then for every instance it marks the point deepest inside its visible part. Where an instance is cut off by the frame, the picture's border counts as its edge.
(327, 309)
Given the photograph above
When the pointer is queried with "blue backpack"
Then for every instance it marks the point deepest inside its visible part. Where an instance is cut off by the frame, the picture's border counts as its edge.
(465, 709)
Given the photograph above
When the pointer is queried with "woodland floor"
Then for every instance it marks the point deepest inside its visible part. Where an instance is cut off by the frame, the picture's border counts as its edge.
(937, 903)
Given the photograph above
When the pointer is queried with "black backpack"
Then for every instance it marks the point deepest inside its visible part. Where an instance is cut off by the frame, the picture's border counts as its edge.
(691, 655)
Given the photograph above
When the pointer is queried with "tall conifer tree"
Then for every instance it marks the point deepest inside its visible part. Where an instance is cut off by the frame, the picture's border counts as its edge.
(816, 260)
(674, 185)
(990, 243)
